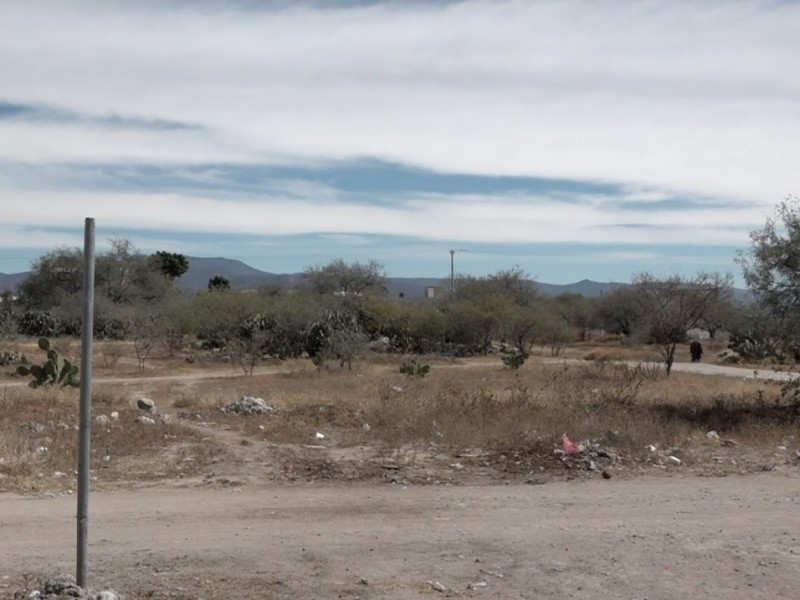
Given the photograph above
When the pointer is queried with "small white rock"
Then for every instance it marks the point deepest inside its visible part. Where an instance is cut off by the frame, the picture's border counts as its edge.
(145, 420)
(435, 585)
(674, 460)
(114, 415)
(320, 436)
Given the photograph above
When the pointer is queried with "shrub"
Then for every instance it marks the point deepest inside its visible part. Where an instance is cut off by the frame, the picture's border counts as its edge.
(514, 358)
(414, 369)
(55, 371)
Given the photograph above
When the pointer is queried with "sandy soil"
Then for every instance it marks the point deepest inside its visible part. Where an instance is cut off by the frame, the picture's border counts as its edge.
(249, 532)
(650, 537)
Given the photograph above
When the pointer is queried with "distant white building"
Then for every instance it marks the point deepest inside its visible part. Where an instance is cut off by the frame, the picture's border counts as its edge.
(434, 291)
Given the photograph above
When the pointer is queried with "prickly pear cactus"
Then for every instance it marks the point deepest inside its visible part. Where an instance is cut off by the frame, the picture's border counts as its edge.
(55, 371)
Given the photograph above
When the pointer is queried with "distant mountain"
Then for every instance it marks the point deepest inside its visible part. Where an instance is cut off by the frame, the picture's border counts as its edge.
(240, 275)
(585, 287)
(243, 276)
(10, 282)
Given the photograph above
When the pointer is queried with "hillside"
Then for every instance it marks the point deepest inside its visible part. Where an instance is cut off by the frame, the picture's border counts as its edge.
(243, 276)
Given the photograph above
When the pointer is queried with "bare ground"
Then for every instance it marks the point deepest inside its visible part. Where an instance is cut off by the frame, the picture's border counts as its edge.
(319, 521)
(650, 537)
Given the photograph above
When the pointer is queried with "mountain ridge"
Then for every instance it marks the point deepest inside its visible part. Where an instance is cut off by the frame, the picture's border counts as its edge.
(243, 276)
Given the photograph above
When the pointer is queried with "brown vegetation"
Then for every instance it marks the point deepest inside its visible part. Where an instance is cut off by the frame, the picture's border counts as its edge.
(473, 410)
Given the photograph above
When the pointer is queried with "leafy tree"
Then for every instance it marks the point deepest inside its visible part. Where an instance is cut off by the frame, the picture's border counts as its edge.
(524, 326)
(555, 331)
(512, 284)
(427, 329)
(618, 311)
(170, 264)
(721, 314)
(673, 305)
(218, 283)
(346, 279)
(771, 266)
(757, 334)
(381, 316)
(54, 276)
(576, 310)
(126, 276)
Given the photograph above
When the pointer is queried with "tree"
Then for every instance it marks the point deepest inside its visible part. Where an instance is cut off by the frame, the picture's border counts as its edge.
(618, 311)
(512, 284)
(524, 325)
(673, 305)
(576, 310)
(54, 276)
(771, 266)
(170, 264)
(123, 276)
(346, 279)
(218, 283)
(720, 315)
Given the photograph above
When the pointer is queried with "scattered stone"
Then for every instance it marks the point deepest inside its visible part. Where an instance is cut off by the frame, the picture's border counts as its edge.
(674, 460)
(319, 436)
(60, 586)
(367, 427)
(538, 478)
(32, 427)
(729, 356)
(102, 420)
(728, 442)
(397, 389)
(435, 585)
(114, 415)
(457, 466)
(477, 585)
(145, 420)
(495, 574)
(249, 405)
(606, 475)
(165, 419)
(146, 404)
(107, 595)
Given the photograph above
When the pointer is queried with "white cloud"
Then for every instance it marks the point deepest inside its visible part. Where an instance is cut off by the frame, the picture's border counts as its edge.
(510, 218)
(690, 97)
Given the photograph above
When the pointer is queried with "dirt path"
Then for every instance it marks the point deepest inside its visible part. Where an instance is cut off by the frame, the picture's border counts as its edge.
(657, 538)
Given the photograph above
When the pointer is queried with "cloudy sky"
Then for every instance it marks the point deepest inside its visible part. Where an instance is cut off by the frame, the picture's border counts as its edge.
(573, 139)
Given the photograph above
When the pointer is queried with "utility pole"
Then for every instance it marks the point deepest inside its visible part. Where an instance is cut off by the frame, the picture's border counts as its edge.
(84, 434)
(453, 272)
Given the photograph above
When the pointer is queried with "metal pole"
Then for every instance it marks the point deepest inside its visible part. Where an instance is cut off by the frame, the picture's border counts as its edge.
(452, 275)
(84, 449)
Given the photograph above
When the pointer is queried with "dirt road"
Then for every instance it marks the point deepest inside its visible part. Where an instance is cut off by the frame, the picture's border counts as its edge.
(657, 538)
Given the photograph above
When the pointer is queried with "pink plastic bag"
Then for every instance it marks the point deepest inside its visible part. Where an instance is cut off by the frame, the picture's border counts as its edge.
(570, 448)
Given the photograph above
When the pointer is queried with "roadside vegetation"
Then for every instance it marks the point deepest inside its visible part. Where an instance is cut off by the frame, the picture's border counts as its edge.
(486, 376)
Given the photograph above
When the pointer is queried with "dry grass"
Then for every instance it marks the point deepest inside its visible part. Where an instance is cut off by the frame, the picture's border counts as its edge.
(39, 442)
(463, 405)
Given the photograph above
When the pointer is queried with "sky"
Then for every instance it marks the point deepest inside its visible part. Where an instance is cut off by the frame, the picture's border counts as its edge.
(573, 139)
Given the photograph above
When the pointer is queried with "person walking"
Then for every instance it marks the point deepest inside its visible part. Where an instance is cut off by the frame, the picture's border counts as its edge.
(696, 350)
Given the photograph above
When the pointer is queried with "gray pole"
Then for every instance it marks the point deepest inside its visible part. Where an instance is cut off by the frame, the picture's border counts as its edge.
(452, 275)
(84, 448)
